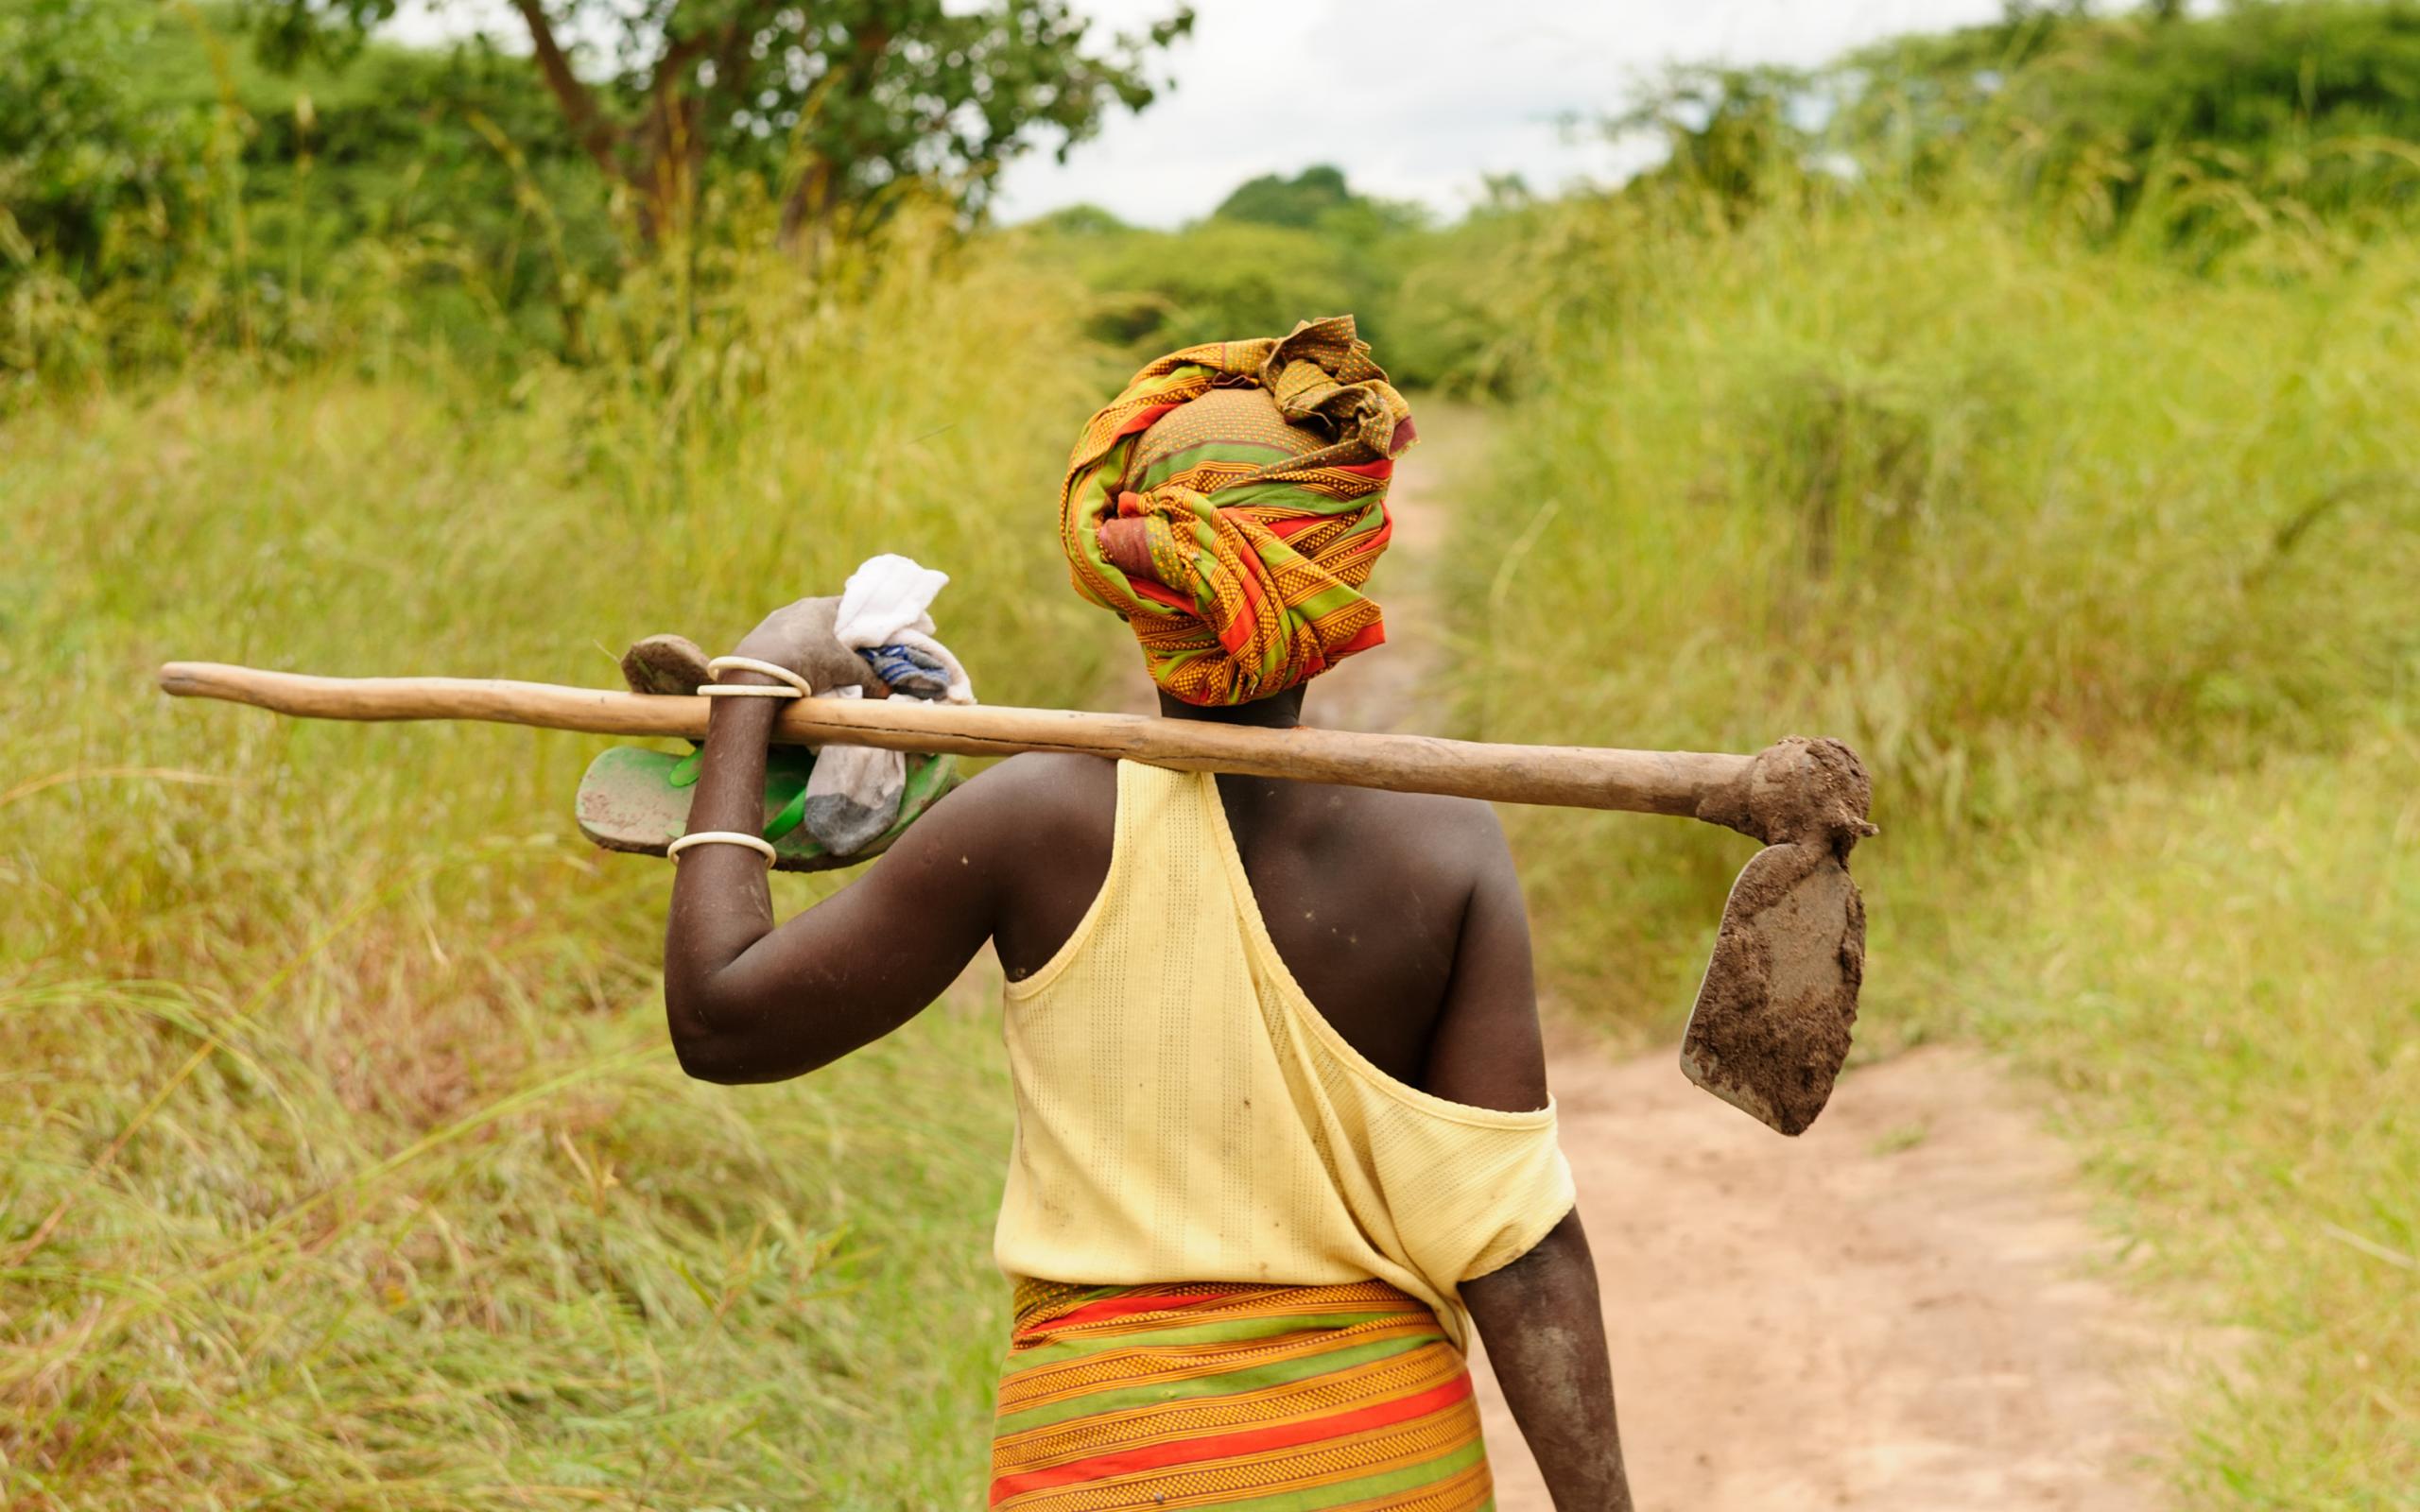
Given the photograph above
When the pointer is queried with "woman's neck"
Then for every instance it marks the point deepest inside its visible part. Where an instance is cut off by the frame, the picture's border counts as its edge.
(1279, 711)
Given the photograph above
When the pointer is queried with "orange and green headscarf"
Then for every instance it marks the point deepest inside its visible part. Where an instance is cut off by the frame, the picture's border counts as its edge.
(1230, 504)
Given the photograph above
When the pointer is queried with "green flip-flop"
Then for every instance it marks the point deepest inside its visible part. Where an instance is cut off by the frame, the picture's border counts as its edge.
(636, 800)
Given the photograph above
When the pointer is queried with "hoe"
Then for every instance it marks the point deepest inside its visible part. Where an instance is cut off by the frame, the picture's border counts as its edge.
(1772, 1022)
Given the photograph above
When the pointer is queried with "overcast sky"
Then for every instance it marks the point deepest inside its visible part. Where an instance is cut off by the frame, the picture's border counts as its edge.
(1414, 99)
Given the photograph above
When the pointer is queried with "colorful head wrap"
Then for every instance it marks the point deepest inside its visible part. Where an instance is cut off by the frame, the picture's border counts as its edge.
(1230, 504)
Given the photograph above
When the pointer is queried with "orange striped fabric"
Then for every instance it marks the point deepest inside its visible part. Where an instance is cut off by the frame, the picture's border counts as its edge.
(1266, 1399)
(1244, 563)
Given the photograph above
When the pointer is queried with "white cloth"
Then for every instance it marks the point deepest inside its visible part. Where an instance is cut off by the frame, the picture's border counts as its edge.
(853, 794)
(887, 603)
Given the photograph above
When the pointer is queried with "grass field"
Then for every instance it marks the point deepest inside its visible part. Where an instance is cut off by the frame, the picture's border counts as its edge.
(2107, 571)
(347, 1165)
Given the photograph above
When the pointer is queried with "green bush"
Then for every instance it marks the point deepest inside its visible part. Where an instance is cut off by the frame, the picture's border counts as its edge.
(2189, 128)
(1214, 282)
(103, 192)
(164, 195)
(1275, 252)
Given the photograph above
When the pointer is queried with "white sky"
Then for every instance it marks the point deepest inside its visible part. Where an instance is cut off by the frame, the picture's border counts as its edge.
(1414, 99)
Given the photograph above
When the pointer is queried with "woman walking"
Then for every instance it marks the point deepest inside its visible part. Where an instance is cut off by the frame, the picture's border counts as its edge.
(1283, 1132)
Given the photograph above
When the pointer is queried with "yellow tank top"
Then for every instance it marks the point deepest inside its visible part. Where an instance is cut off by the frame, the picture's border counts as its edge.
(1185, 1113)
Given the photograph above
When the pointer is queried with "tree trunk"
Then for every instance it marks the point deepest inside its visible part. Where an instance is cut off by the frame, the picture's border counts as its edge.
(660, 158)
(666, 156)
(807, 210)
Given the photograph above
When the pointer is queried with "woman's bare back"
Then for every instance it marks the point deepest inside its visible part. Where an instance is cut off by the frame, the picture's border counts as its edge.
(1366, 895)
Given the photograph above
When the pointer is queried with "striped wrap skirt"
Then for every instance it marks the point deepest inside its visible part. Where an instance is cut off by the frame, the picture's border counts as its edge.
(1272, 1399)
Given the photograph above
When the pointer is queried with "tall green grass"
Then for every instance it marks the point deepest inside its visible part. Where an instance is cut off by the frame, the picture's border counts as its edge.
(2107, 569)
(346, 1164)
(2214, 972)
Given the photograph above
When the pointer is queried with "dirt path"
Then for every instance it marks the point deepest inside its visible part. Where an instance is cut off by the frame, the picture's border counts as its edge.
(1899, 1309)
(1904, 1309)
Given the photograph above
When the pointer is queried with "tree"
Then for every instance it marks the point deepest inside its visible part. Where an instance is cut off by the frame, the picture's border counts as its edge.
(95, 178)
(1732, 133)
(1317, 199)
(1273, 200)
(830, 102)
(1087, 220)
(2314, 103)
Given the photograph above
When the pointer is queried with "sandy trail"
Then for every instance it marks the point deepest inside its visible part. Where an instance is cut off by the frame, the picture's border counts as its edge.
(1899, 1309)
(1904, 1309)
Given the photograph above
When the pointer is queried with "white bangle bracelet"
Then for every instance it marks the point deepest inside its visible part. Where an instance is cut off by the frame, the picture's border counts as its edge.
(745, 690)
(721, 665)
(753, 842)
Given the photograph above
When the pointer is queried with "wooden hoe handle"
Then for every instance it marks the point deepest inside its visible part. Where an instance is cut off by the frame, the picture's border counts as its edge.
(1640, 782)
(1770, 1027)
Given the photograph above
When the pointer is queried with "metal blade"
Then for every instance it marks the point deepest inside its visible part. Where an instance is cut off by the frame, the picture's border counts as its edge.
(1772, 1024)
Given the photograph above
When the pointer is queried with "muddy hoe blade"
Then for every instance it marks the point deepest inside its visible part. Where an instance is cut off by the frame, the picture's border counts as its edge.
(1773, 1019)
(1772, 1024)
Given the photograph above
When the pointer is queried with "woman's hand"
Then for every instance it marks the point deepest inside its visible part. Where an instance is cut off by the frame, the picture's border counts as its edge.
(799, 636)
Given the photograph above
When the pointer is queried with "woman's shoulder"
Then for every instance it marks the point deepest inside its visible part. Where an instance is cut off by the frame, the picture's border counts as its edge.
(1028, 805)
(1043, 788)
(1050, 821)
(1454, 831)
